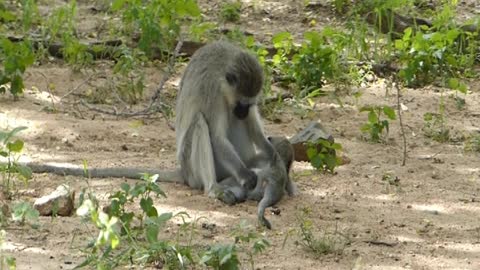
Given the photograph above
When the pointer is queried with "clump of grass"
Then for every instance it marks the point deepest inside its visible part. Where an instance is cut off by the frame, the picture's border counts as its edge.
(231, 11)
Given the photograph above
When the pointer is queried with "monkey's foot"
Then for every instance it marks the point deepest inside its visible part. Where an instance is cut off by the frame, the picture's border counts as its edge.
(227, 197)
(223, 195)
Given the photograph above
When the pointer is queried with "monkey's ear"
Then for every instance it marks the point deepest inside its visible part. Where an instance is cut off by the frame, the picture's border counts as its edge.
(231, 78)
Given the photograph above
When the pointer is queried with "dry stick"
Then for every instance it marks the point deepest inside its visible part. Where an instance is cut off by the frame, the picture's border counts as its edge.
(275, 98)
(78, 86)
(49, 90)
(399, 109)
(154, 106)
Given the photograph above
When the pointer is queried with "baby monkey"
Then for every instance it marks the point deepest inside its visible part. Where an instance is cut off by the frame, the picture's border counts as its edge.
(273, 179)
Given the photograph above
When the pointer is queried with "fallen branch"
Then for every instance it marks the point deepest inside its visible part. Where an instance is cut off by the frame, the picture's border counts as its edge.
(380, 243)
(155, 105)
(401, 22)
(277, 97)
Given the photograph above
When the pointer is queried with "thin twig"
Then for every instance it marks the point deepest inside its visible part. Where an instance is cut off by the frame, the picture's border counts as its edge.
(78, 86)
(166, 76)
(155, 105)
(49, 90)
(380, 243)
(278, 97)
(399, 109)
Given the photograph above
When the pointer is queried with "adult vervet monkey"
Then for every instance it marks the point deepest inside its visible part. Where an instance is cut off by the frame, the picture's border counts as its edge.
(218, 126)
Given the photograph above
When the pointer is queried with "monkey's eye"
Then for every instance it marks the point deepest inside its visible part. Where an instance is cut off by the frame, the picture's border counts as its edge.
(231, 78)
(269, 138)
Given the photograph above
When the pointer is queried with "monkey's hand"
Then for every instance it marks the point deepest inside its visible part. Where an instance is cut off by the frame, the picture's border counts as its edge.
(248, 179)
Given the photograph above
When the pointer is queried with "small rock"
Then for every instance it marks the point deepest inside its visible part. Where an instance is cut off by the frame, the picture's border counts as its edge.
(58, 202)
(312, 133)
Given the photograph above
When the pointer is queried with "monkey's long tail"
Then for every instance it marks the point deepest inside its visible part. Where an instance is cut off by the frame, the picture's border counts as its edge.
(262, 205)
(75, 170)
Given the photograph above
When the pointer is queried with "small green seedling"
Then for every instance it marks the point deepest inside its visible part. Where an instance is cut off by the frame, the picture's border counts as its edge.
(376, 126)
(323, 155)
(435, 127)
(11, 169)
(326, 243)
(24, 212)
(231, 11)
(473, 144)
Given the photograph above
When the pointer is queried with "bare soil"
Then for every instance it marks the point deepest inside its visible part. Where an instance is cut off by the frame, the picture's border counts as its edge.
(427, 219)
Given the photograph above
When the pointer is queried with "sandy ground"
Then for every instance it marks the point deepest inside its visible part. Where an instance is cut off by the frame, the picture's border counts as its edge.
(428, 220)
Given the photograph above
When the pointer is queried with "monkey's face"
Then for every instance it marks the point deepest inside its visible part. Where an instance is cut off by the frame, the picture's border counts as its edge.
(241, 110)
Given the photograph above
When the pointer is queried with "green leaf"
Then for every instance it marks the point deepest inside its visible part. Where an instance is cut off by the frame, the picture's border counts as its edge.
(5, 137)
(24, 171)
(389, 112)
(16, 146)
(316, 162)
(192, 8)
(117, 4)
(372, 117)
(366, 109)
(151, 233)
(331, 162)
(279, 39)
(336, 146)
(147, 207)
(453, 83)
(366, 127)
(311, 152)
(400, 44)
(164, 217)
(114, 240)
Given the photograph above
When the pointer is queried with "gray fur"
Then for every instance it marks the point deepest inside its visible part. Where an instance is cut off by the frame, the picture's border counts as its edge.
(273, 179)
(218, 127)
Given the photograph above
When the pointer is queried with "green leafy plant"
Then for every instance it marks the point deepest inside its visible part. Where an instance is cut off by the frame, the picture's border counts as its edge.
(249, 241)
(23, 212)
(60, 26)
(473, 143)
(11, 169)
(221, 257)
(314, 63)
(75, 53)
(323, 155)
(328, 243)
(391, 181)
(375, 126)
(225, 256)
(431, 53)
(5, 14)
(435, 126)
(459, 87)
(283, 43)
(128, 72)
(15, 59)
(158, 22)
(231, 11)
(120, 223)
(30, 14)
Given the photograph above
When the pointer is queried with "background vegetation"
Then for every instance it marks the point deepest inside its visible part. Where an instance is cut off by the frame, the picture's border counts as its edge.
(391, 40)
